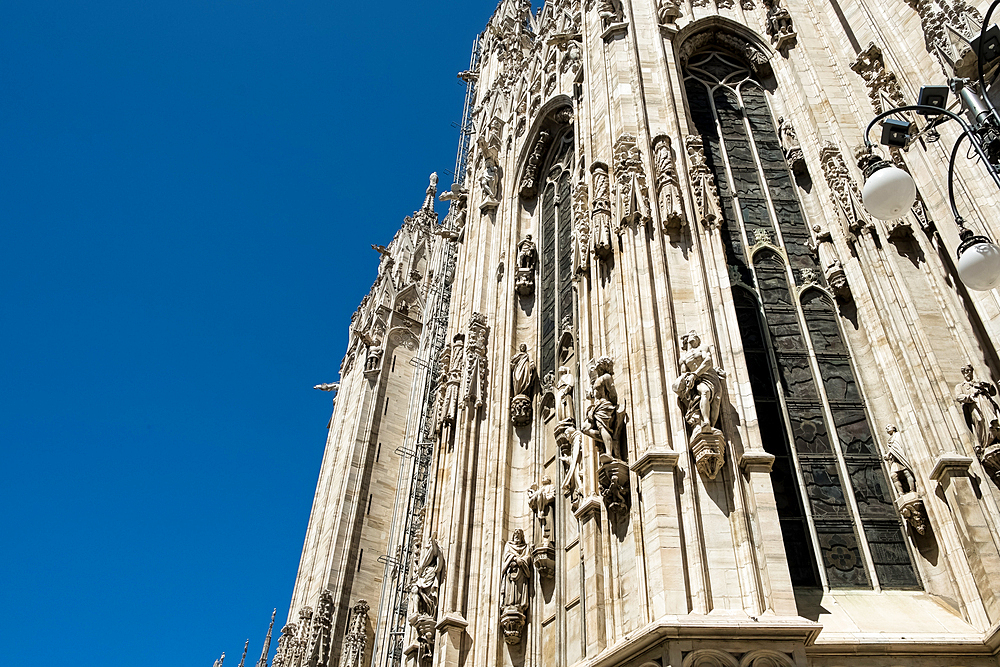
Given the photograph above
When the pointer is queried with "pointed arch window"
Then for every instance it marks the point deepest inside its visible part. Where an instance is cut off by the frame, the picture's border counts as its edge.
(555, 252)
(837, 517)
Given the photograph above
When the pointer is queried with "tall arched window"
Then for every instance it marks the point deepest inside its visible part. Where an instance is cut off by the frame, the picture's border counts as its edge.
(556, 249)
(836, 512)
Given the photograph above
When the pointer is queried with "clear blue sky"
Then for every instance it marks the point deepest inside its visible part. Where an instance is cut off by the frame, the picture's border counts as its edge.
(188, 193)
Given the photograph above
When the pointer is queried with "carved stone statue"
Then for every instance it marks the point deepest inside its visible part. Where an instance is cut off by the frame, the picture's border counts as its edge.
(982, 415)
(610, 11)
(900, 471)
(699, 388)
(541, 500)
(908, 497)
(668, 11)
(427, 580)
(514, 582)
(570, 443)
(667, 189)
(601, 214)
(612, 480)
(373, 359)
(604, 418)
(488, 181)
(699, 385)
(779, 25)
(790, 146)
(527, 258)
(565, 409)
(476, 364)
(522, 375)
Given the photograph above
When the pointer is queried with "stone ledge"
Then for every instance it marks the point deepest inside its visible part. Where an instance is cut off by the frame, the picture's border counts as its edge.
(651, 460)
(756, 461)
(736, 627)
(452, 620)
(950, 464)
(590, 504)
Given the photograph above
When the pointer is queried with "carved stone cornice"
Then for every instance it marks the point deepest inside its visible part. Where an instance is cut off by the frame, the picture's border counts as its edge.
(950, 465)
(655, 461)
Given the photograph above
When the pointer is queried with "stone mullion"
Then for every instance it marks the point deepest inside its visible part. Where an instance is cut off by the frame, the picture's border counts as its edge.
(659, 520)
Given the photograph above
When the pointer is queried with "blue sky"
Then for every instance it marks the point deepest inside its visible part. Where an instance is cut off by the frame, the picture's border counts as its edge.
(188, 193)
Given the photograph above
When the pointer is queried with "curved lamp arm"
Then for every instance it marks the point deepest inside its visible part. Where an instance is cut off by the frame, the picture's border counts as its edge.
(979, 58)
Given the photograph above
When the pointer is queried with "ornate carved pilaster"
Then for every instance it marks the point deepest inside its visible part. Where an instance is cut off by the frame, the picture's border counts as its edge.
(529, 183)
(601, 212)
(633, 193)
(948, 27)
(884, 90)
(668, 193)
(357, 637)
(844, 191)
(581, 215)
(708, 210)
(476, 373)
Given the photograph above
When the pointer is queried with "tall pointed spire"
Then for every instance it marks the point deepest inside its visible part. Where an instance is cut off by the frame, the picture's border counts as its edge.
(218, 663)
(431, 193)
(267, 643)
(244, 658)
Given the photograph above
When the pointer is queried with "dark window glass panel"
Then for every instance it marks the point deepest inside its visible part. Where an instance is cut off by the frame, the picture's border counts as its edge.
(786, 488)
(892, 560)
(809, 429)
(784, 328)
(853, 431)
(798, 550)
(838, 379)
(841, 556)
(796, 377)
(547, 286)
(871, 490)
(760, 373)
(565, 253)
(772, 428)
(826, 495)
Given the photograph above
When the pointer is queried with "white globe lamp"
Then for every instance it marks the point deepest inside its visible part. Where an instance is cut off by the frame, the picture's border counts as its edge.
(979, 263)
(889, 192)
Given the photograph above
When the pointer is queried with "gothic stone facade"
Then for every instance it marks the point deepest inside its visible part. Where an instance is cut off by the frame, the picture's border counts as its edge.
(658, 391)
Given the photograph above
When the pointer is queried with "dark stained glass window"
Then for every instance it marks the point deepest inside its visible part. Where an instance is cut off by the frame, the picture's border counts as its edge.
(834, 503)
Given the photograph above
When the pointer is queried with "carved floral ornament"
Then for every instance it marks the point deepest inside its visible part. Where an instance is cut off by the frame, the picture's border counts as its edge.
(633, 192)
(845, 194)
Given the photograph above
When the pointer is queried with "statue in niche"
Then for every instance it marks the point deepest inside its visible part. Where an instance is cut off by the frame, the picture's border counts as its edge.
(541, 500)
(610, 12)
(900, 471)
(908, 498)
(427, 580)
(527, 258)
(779, 25)
(604, 418)
(452, 399)
(488, 181)
(565, 409)
(699, 388)
(522, 375)
(514, 581)
(982, 415)
(699, 385)
(373, 359)
(668, 11)
(790, 146)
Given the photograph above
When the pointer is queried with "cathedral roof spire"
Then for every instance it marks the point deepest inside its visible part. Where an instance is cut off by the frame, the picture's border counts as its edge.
(431, 193)
(244, 658)
(267, 643)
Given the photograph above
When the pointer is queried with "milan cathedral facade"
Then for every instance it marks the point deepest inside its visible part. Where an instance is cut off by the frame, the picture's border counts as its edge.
(658, 391)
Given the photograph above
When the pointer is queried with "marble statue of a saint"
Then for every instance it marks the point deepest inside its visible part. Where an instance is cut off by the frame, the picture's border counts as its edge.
(427, 579)
(522, 372)
(982, 413)
(516, 573)
(900, 470)
(699, 385)
(603, 419)
(565, 410)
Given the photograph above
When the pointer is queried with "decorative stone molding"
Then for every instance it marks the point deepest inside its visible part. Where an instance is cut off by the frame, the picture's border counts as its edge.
(668, 192)
(357, 636)
(759, 61)
(950, 465)
(836, 278)
(633, 193)
(320, 636)
(515, 583)
(708, 209)
(882, 85)
(529, 183)
(779, 25)
(948, 28)
(527, 259)
(476, 373)
(581, 251)
(522, 372)
(845, 194)
(601, 211)
(612, 480)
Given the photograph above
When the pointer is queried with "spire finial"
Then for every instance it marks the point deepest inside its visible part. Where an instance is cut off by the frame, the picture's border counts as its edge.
(218, 663)
(431, 193)
(244, 658)
(267, 642)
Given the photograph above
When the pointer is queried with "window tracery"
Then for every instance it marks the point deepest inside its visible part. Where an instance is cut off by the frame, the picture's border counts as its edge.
(834, 503)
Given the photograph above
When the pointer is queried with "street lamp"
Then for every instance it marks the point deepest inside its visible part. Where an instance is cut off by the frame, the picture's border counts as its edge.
(890, 191)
